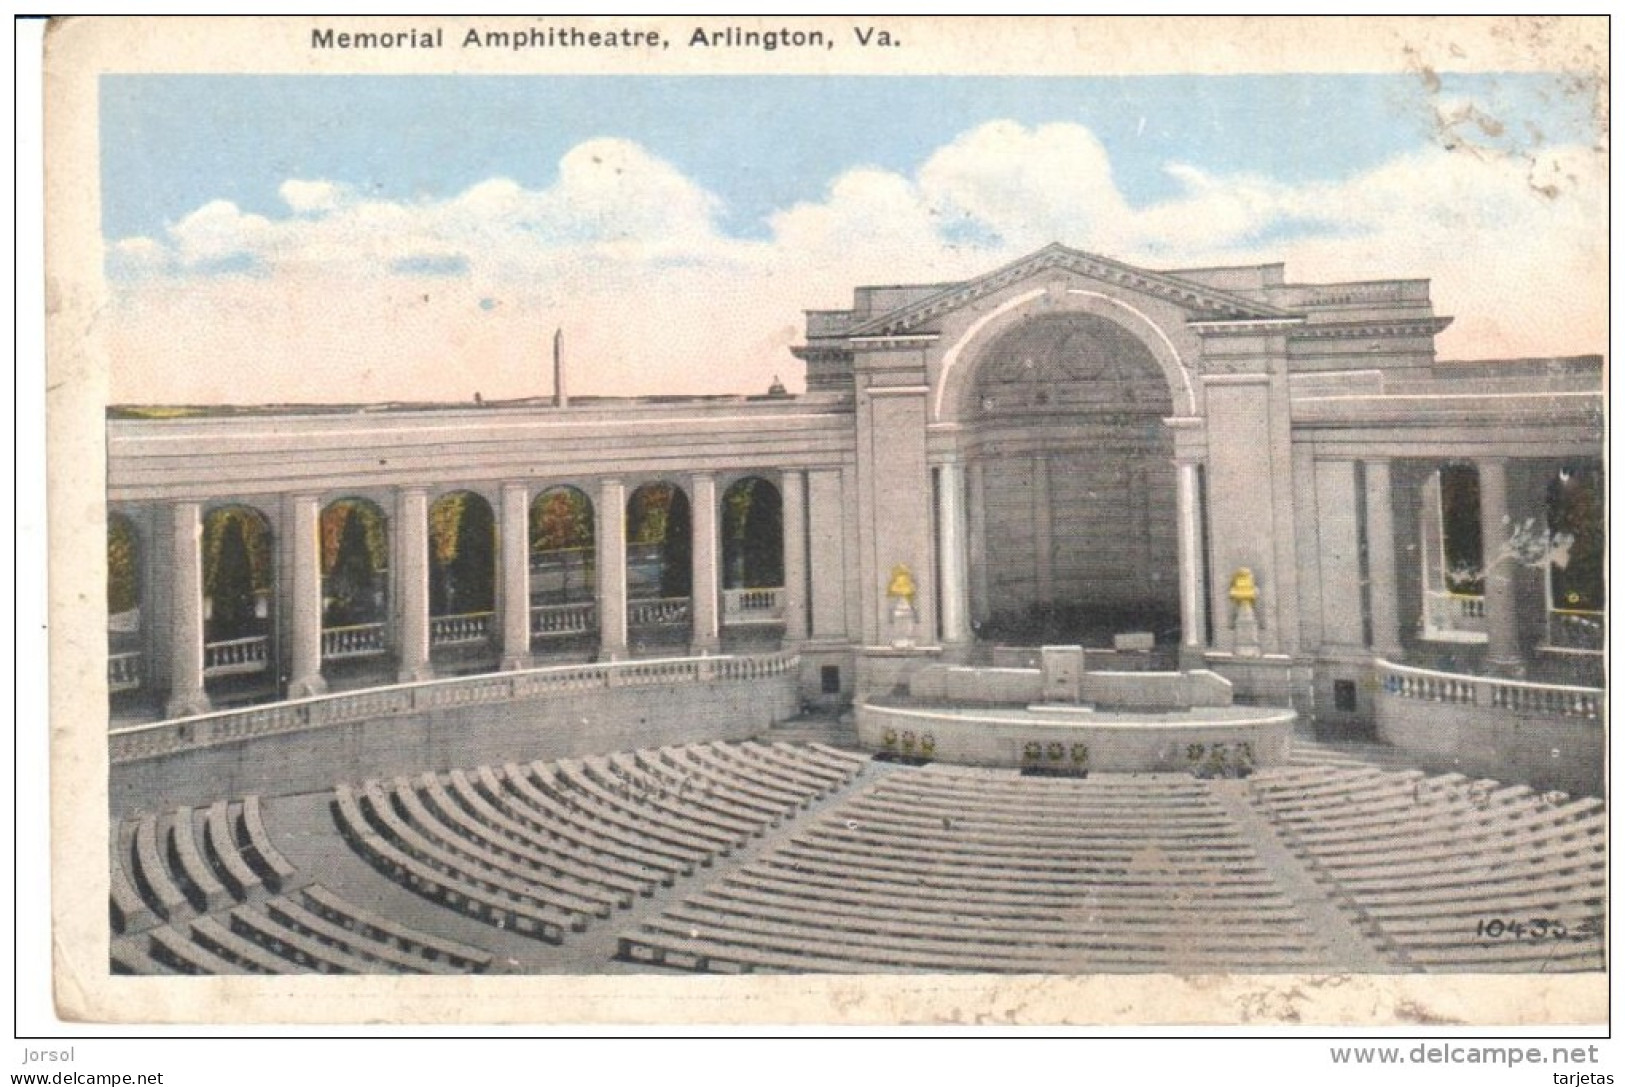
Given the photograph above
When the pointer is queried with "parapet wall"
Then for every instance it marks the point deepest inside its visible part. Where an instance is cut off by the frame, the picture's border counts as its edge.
(544, 714)
(1541, 735)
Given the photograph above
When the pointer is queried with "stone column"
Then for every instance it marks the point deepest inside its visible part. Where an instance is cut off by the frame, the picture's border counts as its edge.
(977, 544)
(186, 693)
(305, 616)
(412, 529)
(611, 561)
(515, 550)
(1379, 535)
(703, 588)
(1500, 564)
(951, 533)
(1192, 628)
(792, 492)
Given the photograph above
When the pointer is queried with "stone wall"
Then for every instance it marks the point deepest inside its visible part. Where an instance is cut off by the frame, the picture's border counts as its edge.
(555, 725)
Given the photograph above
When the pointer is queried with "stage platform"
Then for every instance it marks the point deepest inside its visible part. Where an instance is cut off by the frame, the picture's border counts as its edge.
(1227, 740)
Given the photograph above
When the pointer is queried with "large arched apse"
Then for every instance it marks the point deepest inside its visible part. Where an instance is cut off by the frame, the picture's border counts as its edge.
(124, 588)
(462, 570)
(239, 583)
(355, 579)
(1072, 467)
(563, 566)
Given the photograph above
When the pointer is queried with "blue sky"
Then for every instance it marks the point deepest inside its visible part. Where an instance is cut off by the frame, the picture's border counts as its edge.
(521, 188)
(171, 144)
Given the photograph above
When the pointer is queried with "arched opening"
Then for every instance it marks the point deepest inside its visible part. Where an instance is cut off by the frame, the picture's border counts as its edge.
(752, 553)
(355, 579)
(563, 564)
(1452, 556)
(1576, 616)
(659, 557)
(1072, 469)
(239, 585)
(462, 570)
(124, 598)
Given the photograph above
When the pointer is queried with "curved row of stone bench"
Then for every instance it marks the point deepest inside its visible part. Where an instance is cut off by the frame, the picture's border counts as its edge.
(1450, 873)
(189, 862)
(545, 848)
(311, 931)
(945, 870)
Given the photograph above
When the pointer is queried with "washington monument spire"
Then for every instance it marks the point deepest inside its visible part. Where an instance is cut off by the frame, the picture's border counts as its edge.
(561, 396)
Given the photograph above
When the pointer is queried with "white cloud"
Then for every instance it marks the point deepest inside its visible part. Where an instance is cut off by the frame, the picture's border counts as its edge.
(219, 231)
(311, 196)
(381, 299)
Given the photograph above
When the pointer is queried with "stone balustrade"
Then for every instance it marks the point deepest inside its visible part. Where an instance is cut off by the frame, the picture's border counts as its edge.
(466, 629)
(1580, 631)
(124, 671)
(562, 620)
(359, 640)
(237, 656)
(139, 742)
(670, 611)
(743, 606)
(1455, 616)
(1422, 685)
(1542, 734)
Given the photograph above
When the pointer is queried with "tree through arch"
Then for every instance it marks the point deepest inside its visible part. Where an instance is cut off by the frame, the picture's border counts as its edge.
(752, 535)
(124, 604)
(1577, 555)
(238, 574)
(563, 564)
(659, 547)
(462, 555)
(355, 563)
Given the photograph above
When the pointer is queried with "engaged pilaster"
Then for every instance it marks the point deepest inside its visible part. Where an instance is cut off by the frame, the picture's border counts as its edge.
(792, 489)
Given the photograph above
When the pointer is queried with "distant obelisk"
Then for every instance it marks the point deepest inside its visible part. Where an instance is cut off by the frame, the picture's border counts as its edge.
(561, 396)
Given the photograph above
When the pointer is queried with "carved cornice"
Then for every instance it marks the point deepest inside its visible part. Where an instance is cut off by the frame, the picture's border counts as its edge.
(1359, 330)
(893, 341)
(821, 353)
(1190, 296)
(1249, 327)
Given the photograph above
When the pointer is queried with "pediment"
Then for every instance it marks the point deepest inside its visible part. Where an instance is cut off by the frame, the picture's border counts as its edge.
(1201, 302)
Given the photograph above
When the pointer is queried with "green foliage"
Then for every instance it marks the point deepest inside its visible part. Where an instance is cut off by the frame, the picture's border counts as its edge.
(358, 557)
(123, 565)
(752, 536)
(462, 567)
(560, 520)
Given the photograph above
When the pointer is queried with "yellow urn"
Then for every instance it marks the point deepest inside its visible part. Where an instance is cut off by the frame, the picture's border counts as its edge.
(1243, 590)
(902, 584)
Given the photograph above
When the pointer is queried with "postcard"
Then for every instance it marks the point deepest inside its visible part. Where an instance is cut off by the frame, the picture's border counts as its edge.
(1028, 521)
